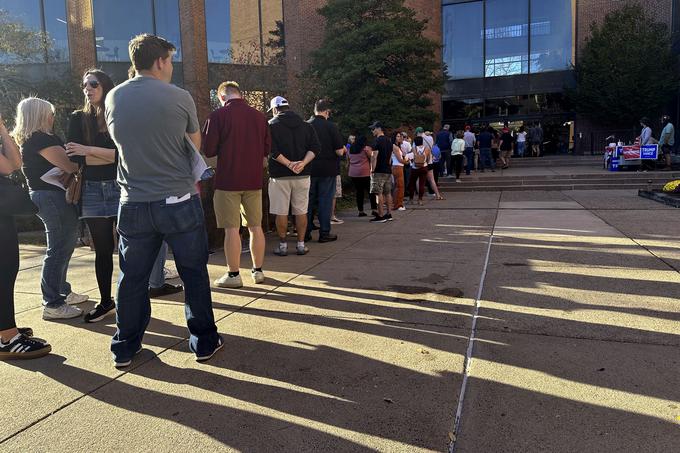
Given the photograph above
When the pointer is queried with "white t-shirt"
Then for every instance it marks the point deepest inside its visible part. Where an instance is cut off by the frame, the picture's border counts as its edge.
(405, 149)
(521, 137)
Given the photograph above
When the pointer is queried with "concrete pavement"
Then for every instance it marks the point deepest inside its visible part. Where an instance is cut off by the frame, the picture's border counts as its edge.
(361, 345)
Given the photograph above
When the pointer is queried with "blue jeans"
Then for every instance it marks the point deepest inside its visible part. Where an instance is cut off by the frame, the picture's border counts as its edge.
(143, 227)
(321, 194)
(485, 159)
(61, 225)
(470, 157)
(157, 278)
(521, 146)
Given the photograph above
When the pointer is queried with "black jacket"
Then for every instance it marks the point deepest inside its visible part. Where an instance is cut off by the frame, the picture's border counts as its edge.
(292, 137)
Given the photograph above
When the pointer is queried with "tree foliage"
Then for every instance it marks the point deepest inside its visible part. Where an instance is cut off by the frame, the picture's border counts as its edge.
(375, 63)
(626, 70)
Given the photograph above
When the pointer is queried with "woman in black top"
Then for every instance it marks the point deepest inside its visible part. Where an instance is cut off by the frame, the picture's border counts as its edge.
(14, 343)
(90, 144)
(45, 161)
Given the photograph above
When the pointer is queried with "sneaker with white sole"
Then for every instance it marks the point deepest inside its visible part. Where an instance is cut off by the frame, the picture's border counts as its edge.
(125, 363)
(302, 249)
(75, 299)
(61, 312)
(281, 251)
(226, 281)
(23, 347)
(258, 277)
(401, 208)
(336, 221)
(101, 311)
(205, 358)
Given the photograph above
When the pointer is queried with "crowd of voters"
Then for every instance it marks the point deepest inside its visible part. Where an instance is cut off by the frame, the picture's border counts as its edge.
(130, 167)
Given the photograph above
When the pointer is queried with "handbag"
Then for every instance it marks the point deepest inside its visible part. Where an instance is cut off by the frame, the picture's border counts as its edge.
(74, 187)
(14, 199)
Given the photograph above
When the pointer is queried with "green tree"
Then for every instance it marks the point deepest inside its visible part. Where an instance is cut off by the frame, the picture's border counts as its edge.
(375, 64)
(626, 69)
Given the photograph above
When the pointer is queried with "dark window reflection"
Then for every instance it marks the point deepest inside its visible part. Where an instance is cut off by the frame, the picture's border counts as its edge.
(507, 38)
(463, 40)
(27, 14)
(218, 30)
(118, 21)
(551, 35)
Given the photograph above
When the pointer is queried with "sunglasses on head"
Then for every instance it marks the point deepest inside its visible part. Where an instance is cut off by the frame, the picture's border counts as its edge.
(93, 84)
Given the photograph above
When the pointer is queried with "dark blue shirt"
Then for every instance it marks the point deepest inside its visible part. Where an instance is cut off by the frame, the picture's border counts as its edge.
(444, 140)
(485, 139)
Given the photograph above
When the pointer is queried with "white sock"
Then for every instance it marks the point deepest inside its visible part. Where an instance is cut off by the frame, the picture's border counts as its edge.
(283, 245)
(301, 244)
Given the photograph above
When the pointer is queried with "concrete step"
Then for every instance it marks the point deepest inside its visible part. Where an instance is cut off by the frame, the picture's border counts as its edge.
(614, 176)
(541, 187)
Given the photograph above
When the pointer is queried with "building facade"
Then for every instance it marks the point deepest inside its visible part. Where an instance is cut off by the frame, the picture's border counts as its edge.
(505, 60)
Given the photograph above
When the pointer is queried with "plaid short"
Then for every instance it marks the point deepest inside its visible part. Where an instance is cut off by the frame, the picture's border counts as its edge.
(381, 183)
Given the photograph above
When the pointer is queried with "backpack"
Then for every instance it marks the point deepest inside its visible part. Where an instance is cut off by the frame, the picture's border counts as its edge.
(419, 158)
(436, 153)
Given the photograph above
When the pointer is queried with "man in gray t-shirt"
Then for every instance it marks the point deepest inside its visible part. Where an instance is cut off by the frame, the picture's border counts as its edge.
(150, 121)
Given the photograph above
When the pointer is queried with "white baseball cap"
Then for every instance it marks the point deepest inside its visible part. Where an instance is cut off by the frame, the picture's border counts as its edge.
(278, 101)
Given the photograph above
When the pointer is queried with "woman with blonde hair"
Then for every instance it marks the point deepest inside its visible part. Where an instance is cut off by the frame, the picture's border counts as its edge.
(90, 145)
(43, 153)
(15, 343)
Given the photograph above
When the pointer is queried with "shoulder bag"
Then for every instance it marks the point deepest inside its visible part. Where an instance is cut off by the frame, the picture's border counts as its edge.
(74, 186)
(14, 199)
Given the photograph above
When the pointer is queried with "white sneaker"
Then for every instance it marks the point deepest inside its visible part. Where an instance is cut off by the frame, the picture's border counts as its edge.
(258, 277)
(226, 281)
(75, 299)
(336, 221)
(169, 274)
(62, 312)
(401, 209)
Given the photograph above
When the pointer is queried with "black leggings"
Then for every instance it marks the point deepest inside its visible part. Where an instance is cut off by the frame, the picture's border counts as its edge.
(103, 239)
(9, 267)
(457, 164)
(363, 184)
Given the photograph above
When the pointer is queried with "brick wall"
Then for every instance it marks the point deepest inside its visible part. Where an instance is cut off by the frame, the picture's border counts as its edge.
(594, 11)
(195, 54)
(81, 35)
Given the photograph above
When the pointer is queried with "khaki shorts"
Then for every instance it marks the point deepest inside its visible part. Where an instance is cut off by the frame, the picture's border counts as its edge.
(289, 194)
(381, 183)
(338, 187)
(230, 207)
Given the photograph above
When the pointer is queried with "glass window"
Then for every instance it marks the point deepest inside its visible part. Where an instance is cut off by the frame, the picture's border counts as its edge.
(167, 23)
(218, 30)
(56, 28)
(118, 21)
(551, 35)
(507, 38)
(463, 40)
(27, 14)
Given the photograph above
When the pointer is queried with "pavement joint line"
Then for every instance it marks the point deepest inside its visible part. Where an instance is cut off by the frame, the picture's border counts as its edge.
(180, 341)
(575, 337)
(40, 265)
(471, 343)
(40, 294)
(593, 212)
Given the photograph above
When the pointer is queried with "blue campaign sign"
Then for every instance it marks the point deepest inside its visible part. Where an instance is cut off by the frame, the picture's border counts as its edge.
(649, 152)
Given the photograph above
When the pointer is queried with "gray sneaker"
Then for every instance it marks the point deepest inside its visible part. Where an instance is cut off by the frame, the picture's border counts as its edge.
(302, 250)
(62, 312)
(75, 299)
(258, 277)
(226, 281)
(281, 251)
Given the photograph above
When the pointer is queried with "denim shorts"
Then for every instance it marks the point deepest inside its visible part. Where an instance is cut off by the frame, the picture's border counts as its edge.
(100, 199)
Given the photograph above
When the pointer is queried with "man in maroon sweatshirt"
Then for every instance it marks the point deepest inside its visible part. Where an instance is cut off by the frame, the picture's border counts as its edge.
(239, 136)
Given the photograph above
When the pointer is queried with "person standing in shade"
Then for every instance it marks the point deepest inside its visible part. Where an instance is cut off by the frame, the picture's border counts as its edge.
(536, 138)
(667, 140)
(421, 156)
(43, 151)
(506, 148)
(457, 150)
(238, 135)
(470, 140)
(360, 173)
(150, 121)
(294, 145)
(325, 170)
(398, 161)
(521, 141)
(485, 157)
(15, 343)
(381, 172)
(444, 140)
